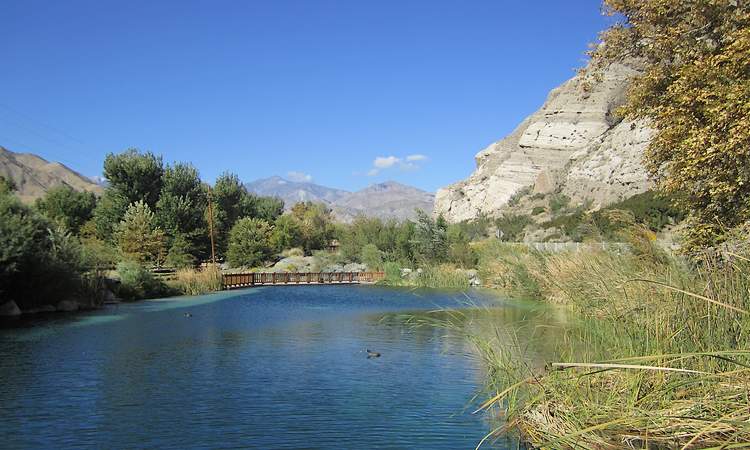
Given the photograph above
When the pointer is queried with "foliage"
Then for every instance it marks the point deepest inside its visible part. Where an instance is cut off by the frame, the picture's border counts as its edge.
(673, 337)
(179, 254)
(430, 238)
(108, 212)
(266, 208)
(137, 236)
(694, 94)
(287, 234)
(515, 199)
(511, 226)
(7, 185)
(442, 277)
(538, 210)
(135, 175)
(138, 283)
(180, 210)
(372, 257)
(557, 202)
(67, 207)
(39, 264)
(249, 242)
(315, 224)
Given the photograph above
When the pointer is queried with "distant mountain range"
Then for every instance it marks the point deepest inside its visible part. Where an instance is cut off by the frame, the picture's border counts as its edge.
(34, 175)
(384, 200)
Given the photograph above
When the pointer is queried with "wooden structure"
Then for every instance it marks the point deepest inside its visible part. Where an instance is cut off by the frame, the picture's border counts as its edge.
(241, 280)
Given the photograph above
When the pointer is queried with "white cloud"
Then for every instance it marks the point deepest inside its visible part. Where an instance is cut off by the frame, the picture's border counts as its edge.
(299, 177)
(408, 163)
(384, 162)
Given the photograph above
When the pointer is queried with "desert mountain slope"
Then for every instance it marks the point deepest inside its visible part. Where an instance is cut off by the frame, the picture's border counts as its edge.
(34, 175)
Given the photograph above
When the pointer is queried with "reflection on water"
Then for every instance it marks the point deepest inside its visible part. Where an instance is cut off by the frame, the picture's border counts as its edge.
(277, 367)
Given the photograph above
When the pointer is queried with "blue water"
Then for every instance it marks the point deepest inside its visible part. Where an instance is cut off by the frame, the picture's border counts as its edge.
(273, 367)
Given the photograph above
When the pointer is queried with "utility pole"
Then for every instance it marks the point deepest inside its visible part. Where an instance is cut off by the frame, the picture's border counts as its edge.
(211, 226)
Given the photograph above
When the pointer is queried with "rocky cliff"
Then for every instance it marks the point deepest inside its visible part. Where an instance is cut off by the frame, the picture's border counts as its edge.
(34, 175)
(574, 145)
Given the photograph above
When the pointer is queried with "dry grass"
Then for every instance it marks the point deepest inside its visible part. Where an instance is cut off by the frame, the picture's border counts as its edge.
(660, 358)
(196, 282)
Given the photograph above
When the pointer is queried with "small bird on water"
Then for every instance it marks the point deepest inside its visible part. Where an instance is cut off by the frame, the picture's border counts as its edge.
(372, 354)
(188, 315)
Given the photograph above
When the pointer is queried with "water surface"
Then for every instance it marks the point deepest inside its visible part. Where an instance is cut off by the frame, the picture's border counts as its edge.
(273, 367)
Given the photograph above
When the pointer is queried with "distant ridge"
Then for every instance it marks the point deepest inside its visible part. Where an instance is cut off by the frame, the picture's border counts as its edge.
(34, 175)
(388, 200)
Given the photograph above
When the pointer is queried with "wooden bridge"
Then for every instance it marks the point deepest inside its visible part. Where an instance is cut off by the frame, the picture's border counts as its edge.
(241, 280)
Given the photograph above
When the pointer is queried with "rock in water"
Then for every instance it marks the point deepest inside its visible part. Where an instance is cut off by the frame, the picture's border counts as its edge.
(9, 309)
(574, 145)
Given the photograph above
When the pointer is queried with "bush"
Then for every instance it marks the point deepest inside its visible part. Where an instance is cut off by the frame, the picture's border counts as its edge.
(511, 226)
(557, 202)
(372, 257)
(137, 283)
(537, 210)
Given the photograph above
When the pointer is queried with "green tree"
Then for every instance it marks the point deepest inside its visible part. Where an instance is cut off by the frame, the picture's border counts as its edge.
(181, 208)
(180, 253)
(372, 257)
(430, 238)
(266, 208)
(228, 196)
(249, 242)
(315, 223)
(136, 175)
(137, 235)
(694, 93)
(67, 207)
(7, 185)
(286, 233)
(108, 213)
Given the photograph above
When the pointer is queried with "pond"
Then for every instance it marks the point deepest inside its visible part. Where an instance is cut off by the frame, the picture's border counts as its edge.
(269, 367)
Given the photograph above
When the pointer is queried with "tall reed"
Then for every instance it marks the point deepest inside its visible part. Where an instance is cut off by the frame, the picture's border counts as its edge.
(659, 359)
(196, 282)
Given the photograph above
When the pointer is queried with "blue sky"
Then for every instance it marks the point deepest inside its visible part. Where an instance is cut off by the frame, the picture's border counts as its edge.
(345, 92)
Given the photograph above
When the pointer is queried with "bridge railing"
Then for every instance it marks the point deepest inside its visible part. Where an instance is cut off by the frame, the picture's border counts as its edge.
(237, 280)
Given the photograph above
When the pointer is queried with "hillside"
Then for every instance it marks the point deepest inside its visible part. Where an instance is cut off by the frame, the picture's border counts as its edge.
(34, 175)
(388, 200)
(574, 145)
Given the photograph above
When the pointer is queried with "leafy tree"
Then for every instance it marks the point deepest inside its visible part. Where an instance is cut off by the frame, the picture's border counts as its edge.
(510, 226)
(694, 93)
(316, 225)
(430, 238)
(138, 176)
(228, 196)
(137, 235)
(67, 207)
(108, 212)
(286, 233)
(180, 253)
(181, 208)
(372, 257)
(266, 208)
(249, 242)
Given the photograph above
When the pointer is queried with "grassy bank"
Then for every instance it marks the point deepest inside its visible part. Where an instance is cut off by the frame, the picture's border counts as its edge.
(659, 358)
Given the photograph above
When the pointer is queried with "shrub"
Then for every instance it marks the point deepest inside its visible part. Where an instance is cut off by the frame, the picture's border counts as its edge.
(511, 226)
(372, 257)
(138, 283)
(557, 202)
(538, 210)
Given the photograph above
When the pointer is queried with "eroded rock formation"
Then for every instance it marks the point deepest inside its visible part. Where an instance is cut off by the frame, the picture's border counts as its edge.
(574, 144)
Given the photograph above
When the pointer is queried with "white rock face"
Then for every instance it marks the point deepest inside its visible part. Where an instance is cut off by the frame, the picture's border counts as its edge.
(573, 143)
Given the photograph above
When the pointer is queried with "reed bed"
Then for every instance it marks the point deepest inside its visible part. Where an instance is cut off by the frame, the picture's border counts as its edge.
(659, 358)
(197, 282)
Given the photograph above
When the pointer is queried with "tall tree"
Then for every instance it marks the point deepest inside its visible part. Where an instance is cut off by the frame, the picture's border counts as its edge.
(137, 235)
(138, 176)
(181, 208)
(249, 242)
(67, 207)
(695, 93)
